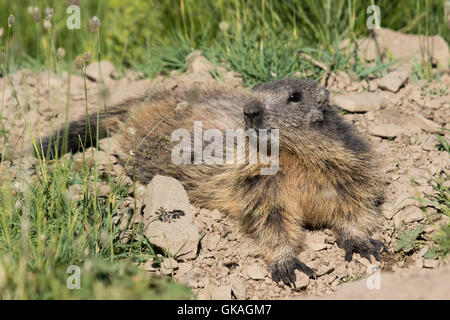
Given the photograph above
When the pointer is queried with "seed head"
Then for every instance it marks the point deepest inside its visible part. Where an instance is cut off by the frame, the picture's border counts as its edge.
(47, 24)
(49, 13)
(79, 64)
(60, 53)
(87, 57)
(36, 14)
(94, 24)
(11, 20)
(224, 26)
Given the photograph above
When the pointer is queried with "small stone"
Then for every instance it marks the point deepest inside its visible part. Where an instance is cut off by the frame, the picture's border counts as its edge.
(301, 281)
(431, 264)
(358, 102)
(211, 241)
(238, 288)
(316, 240)
(104, 189)
(168, 266)
(150, 266)
(256, 272)
(388, 130)
(107, 69)
(419, 263)
(221, 293)
(74, 192)
(393, 80)
(322, 267)
(343, 79)
(204, 294)
(216, 215)
(426, 124)
(423, 251)
(408, 215)
(183, 268)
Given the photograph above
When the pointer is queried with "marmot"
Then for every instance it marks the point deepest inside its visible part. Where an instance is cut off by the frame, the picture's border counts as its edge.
(327, 176)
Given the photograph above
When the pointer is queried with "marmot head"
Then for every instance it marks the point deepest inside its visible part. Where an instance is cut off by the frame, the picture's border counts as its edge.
(287, 103)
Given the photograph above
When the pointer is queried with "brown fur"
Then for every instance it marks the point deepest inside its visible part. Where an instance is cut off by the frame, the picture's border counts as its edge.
(327, 175)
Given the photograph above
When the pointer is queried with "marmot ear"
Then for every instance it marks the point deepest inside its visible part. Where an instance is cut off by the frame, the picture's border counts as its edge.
(256, 87)
(322, 96)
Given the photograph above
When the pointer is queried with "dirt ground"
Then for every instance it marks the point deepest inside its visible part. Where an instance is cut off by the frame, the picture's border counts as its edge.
(401, 126)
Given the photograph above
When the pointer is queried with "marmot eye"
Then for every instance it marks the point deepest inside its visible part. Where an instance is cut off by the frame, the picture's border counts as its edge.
(295, 97)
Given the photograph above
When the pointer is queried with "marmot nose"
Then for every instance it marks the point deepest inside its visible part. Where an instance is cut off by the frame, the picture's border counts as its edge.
(252, 112)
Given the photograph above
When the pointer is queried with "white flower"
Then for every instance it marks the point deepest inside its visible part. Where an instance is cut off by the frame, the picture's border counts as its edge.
(224, 26)
(11, 20)
(47, 24)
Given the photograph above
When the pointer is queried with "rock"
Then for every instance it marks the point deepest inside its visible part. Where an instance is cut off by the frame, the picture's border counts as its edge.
(216, 215)
(221, 293)
(111, 146)
(150, 266)
(92, 157)
(104, 189)
(256, 272)
(322, 267)
(426, 124)
(74, 192)
(168, 266)
(358, 102)
(107, 69)
(301, 280)
(343, 80)
(419, 285)
(211, 241)
(393, 80)
(409, 48)
(238, 288)
(199, 65)
(419, 263)
(388, 130)
(204, 294)
(315, 240)
(192, 277)
(412, 48)
(184, 268)
(128, 92)
(430, 264)
(423, 251)
(168, 217)
(407, 215)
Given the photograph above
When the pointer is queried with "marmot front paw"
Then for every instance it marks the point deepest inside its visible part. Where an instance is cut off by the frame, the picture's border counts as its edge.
(366, 247)
(284, 269)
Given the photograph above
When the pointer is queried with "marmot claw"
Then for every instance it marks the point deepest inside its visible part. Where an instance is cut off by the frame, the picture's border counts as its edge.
(366, 247)
(284, 269)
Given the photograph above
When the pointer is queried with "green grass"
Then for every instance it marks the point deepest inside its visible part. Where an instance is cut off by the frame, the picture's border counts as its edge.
(439, 199)
(154, 36)
(44, 230)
